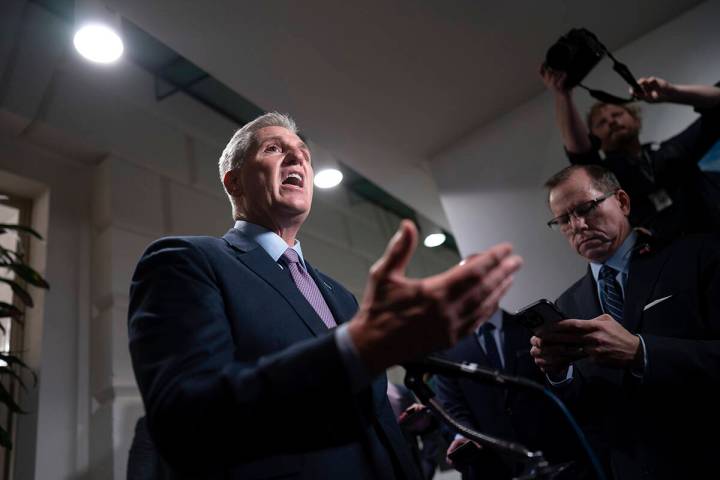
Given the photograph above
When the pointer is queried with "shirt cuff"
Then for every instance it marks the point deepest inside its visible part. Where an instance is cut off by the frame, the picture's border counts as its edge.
(357, 372)
(560, 379)
(640, 373)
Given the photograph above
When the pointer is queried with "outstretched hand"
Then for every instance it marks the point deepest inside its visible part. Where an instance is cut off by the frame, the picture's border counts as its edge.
(401, 318)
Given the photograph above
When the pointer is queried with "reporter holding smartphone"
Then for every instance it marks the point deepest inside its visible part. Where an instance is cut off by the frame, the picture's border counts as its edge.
(638, 359)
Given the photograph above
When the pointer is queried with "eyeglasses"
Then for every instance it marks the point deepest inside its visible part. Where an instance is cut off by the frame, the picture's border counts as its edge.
(583, 210)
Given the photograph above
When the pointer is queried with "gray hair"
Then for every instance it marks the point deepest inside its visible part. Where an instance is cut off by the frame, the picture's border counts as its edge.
(242, 141)
(600, 177)
(237, 148)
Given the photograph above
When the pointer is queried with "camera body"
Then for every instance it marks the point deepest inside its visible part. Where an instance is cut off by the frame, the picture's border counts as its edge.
(575, 53)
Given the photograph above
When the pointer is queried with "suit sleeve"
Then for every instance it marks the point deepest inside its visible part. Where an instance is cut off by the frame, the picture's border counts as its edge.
(452, 399)
(692, 361)
(691, 145)
(204, 406)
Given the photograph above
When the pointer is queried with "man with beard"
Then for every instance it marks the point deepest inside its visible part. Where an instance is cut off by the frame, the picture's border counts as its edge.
(670, 194)
(639, 357)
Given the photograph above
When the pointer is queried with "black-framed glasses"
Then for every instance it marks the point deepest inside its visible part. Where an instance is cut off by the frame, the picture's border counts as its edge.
(580, 211)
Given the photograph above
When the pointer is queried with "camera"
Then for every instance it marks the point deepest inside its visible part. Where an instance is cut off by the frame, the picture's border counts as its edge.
(575, 53)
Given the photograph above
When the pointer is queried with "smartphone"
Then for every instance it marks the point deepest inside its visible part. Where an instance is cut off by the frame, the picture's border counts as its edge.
(465, 454)
(539, 314)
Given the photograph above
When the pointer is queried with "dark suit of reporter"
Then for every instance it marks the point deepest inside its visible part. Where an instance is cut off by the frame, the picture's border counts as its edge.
(239, 375)
(645, 385)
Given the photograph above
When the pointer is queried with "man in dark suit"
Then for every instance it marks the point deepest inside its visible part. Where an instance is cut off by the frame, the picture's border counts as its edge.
(639, 358)
(234, 343)
(520, 416)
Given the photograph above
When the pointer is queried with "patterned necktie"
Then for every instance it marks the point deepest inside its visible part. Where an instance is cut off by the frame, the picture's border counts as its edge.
(612, 298)
(307, 287)
(491, 349)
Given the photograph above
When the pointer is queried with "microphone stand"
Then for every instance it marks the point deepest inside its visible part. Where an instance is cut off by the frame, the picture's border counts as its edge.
(535, 467)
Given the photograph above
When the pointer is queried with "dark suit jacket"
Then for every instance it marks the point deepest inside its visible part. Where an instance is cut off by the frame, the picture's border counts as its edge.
(516, 415)
(653, 428)
(239, 376)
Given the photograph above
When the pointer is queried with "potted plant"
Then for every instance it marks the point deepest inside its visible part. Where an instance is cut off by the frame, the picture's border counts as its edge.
(15, 272)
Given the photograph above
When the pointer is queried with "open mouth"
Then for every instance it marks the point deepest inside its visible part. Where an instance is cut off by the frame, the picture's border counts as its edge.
(294, 179)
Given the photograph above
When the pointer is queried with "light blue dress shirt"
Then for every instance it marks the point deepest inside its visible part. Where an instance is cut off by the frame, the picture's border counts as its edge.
(275, 246)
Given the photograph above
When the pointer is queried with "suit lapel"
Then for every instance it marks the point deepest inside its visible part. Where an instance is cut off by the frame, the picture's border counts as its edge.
(643, 275)
(586, 298)
(257, 260)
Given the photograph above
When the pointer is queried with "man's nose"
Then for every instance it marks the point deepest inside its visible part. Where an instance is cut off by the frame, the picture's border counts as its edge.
(293, 156)
(577, 222)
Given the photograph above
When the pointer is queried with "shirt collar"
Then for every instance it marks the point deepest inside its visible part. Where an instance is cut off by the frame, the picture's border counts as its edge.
(271, 242)
(620, 260)
(496, 319)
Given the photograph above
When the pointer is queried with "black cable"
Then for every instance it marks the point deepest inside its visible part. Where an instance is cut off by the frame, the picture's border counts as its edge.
(445, 367)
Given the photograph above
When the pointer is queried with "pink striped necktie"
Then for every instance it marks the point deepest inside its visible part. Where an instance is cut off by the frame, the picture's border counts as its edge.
(307, 287)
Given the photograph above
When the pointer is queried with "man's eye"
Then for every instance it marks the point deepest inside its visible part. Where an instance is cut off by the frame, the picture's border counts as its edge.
(585, 208)
(273, 148)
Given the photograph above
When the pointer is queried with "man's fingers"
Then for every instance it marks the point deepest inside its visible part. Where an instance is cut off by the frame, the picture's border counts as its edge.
(562, 338)
(570, 326)
(479, 299)
(398, 252)
(564, 352)
(485, 270)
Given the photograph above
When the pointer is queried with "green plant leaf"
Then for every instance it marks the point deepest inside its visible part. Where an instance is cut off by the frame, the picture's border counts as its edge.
(26, 273)
(12, 373)
(8, 310)
(21, 293)
(10, 255)
(11, 359)
(5, 440)
(7, 400)
(19, 228)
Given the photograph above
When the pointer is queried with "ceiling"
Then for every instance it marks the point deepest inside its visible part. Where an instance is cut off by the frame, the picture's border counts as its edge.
(383, 84)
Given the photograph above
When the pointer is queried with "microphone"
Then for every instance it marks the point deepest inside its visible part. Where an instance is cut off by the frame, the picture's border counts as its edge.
(447, 368)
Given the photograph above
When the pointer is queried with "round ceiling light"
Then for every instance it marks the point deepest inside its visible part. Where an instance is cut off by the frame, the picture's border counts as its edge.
(98, 43)
(328, 178)
(434, 240)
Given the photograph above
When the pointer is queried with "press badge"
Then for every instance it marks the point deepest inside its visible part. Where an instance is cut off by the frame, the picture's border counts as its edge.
(660, 199)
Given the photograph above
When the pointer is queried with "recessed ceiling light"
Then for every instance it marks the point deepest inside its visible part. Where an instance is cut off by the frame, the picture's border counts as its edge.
(434, 240)
(328, 178)
(98, 43)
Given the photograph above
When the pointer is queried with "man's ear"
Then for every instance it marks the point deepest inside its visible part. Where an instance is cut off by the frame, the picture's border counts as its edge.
(624, 200)
(231, 182)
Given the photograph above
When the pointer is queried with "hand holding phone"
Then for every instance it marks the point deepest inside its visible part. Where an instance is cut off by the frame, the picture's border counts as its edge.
(538, 315)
